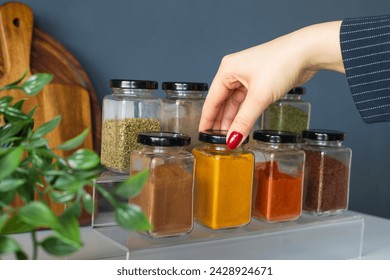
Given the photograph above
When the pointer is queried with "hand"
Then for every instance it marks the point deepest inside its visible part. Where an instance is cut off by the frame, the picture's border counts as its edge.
(247, 82)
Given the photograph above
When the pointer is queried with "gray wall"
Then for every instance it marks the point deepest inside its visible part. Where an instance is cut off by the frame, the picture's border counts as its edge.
(186, 39)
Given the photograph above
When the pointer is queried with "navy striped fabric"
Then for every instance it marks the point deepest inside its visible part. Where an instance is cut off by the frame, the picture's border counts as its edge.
(365, 45)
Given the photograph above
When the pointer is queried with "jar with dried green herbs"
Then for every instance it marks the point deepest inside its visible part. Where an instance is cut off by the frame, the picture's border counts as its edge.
(327, 172)
(129, 110)
(290, 113)
(167, 196)
(182, 108)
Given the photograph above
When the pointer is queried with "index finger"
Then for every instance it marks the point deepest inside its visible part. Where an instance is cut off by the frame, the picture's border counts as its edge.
(219, 92)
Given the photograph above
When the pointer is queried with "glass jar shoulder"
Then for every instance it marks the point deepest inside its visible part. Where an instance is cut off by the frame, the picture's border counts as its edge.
(275, 152)
(221, 153)
(128, 97)
(326, 149)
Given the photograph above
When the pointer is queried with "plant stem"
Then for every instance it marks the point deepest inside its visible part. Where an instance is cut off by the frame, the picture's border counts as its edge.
(35, 244)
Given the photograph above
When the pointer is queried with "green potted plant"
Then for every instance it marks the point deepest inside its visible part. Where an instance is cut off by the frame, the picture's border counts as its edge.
(31, 171)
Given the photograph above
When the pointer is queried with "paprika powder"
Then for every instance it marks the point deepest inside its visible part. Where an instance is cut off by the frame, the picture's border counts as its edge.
(278, 176)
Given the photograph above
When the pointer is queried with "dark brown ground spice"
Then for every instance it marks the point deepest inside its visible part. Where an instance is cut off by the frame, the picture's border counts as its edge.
(326, 183)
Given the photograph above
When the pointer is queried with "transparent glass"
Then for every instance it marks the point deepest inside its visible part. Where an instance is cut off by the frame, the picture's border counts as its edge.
(126, 113)
(167, 197)
(181, 112)
(278, 181)
(223, 184)
(290, 113)
(327, 176)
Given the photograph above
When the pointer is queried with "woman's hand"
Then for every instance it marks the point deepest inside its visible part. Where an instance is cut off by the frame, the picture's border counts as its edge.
(247, 82)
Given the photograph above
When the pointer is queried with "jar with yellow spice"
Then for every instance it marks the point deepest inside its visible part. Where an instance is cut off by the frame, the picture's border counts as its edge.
(223, 182)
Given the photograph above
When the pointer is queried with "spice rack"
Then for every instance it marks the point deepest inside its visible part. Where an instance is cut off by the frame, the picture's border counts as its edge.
(309, 237)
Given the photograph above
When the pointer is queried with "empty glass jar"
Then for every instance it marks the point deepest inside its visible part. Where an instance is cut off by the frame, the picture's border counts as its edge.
(278, 176)
(327, 172)
(223, 182)
(167, 196)
(290, 113)
(182, 108)
(129, 110)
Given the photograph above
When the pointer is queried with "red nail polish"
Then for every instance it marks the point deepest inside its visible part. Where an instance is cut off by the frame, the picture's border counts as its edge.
(234, 139)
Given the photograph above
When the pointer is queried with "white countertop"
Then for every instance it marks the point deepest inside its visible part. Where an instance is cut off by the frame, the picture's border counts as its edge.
(376, 244)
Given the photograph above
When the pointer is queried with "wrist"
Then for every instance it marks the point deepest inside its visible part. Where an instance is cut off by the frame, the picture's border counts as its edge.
(322, 50)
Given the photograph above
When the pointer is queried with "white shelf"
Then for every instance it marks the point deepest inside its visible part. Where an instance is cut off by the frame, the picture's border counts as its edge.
(333, 237)
(309, 237)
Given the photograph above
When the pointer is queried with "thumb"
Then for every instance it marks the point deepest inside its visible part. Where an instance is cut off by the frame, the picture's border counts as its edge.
(249, 112)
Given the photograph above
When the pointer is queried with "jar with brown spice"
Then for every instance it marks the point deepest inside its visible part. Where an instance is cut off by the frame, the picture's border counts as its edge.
(129, 110)
(327, 172)
(167, 196)
(182, 108)
(278, 176)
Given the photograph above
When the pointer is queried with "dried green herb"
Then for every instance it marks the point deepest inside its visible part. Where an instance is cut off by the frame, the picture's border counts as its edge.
(286, 117)
(119, 139)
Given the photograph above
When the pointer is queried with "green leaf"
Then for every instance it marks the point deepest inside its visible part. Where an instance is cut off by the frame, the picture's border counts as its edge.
(16, 225)
(20, 255)
(10, 184)
(8, 245)
(68, 184)
(3, 219)
(74, 142)
(88, 202)
(35, 83)
(46, 127)
(133, 185)
(73, 210)
(10, 161)
(18, 105)
(83, 159)
(57, 247)
(5, 100)
(7, 197)
(37, 143)
(12, 129)
(62, 197)
(130, 216)
(14, 114)
(38, 214)
(68, 229)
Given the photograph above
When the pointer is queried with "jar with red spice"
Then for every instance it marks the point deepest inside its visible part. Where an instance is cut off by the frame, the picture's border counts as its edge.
(278, 176)
(327, 172)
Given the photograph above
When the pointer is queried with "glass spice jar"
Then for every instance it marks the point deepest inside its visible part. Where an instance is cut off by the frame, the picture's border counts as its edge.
(182, 108)
(290, 113)
(327, 172)
(278, 176)
(223, 182)
(167, 196)
(129, 110)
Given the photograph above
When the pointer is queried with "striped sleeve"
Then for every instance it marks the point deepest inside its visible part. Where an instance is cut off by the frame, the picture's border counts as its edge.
(365, 46)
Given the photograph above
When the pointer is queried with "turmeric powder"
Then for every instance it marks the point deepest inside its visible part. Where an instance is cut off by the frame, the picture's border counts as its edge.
(223, 186)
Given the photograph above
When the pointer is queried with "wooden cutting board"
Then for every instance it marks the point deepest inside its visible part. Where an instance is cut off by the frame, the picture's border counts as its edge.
(69, 95)
(24, 47)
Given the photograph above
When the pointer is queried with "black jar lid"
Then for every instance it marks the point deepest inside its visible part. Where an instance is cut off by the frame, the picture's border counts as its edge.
(185, 86)
(215, 136)
(133, 84)
(324, 135)
(297, 90)
(276, 136)
(166, 139)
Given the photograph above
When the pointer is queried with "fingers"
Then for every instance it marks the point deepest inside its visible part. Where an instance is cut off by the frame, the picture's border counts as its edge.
(251, 108)
(214, 104)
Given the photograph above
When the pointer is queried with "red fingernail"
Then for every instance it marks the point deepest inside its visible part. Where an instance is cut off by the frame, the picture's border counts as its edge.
(234, 139)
